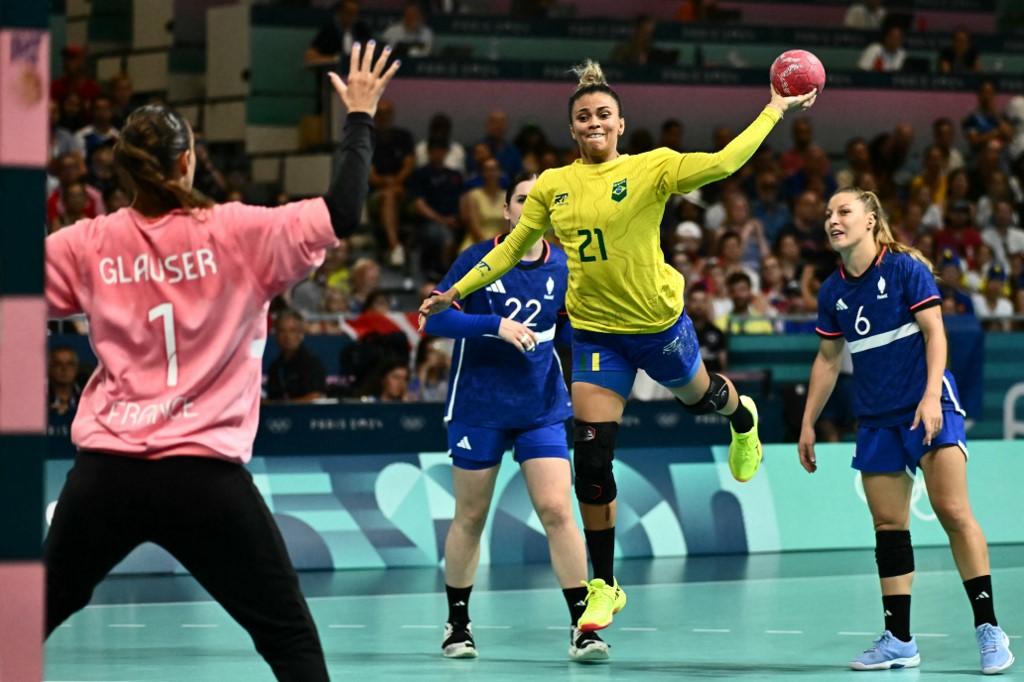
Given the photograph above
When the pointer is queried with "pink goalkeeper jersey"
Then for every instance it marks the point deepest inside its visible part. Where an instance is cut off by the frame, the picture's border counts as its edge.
(177, 311)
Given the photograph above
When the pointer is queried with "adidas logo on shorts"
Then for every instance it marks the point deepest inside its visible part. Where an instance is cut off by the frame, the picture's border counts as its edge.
(464, 443)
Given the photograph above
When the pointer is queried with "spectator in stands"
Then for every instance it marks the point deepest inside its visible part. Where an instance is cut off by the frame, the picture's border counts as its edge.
(944, 137)
(959, 234)
(753, 245)
(73, 114)
(102, 174)
(808, 225)
(440, 126)
(773, 284)
(712, 342)
(365, 280)
(932, 176)
(890, 153)
(393, 162)
(958, 187)
(858, 161)
(393, 384)
(102, 130)
(985, 123)
(333, 307)
(1014, 116)
(1005, 236)
(62, 140)
(532, 144)
(68, 169)
(803, 138)
(308, 296)
(997, 189)
(208, 179)
(928, 216)
(495, 138)
(640, 141)
(787, 251)
(121, 93)
(730, 258)
(75, 79)
(435, 191)
(430, 385)
(671, 135)
(688, 239)
(410, 36)
(993, 301)
(63, 388)
(815, 175)
(959, 57)
(768, 207)
(988, 163)
(886, 55)
(637, 48)
(335, 40)
(115, 198)
(866, 16)
(984, 258)
(72, 209)
(483, 208)
(296, 375)
(749, 314)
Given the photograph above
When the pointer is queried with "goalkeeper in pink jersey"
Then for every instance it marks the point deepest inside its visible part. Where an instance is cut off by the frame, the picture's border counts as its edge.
(177, 291)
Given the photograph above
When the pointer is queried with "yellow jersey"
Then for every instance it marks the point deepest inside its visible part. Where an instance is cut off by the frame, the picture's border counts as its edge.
(608, 218)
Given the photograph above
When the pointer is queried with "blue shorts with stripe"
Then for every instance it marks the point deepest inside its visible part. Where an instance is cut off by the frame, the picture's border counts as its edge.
(480, 447)
(670, 357)
(889, 449)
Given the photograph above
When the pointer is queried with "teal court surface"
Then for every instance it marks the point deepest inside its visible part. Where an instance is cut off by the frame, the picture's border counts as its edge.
(794, 616)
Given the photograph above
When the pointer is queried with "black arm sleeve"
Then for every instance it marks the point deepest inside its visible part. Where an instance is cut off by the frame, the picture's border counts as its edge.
(351, 180)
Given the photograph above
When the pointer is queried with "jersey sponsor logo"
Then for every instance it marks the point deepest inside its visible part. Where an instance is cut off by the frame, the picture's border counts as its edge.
(497, 287)
(464, 443)
(881, 289)
(550, 296)
(619, 190)
(562, 199)
(841, 305)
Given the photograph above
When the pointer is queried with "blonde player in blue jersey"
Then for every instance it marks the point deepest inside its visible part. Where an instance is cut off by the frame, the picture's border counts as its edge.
(624, 301)
(883, 301)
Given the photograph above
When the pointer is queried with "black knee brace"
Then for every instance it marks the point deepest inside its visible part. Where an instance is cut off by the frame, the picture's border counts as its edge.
(714, 399)
(594, 449)
(893, 553)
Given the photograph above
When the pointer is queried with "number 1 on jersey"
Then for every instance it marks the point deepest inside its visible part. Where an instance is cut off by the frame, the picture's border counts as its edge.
(166, 311)
(588, 236)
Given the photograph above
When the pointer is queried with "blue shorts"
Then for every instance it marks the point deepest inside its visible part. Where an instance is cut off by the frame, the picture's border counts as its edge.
(479, 447)
(670, 357)
(896, 448)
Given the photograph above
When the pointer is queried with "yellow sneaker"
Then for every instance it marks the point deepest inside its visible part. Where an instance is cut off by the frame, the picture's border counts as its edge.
(603, 601)
(745, 450)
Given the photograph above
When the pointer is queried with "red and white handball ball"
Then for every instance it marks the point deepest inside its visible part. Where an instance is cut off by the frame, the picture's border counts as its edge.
(797, 72)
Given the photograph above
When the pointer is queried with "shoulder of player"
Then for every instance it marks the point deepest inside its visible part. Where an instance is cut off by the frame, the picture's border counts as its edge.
(830, 286)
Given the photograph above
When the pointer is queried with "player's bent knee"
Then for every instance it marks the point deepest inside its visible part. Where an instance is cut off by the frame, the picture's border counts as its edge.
(594, 449)
(714, 399)
(894, 553)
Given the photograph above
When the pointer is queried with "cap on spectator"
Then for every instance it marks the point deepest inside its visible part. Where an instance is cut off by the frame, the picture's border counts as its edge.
(688, 229)
(73, 50)
(960, 206)
(695, 198)
(949, 257)
(997, 273)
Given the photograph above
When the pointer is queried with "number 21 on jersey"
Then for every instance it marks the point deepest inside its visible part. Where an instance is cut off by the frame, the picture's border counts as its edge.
(589, 236)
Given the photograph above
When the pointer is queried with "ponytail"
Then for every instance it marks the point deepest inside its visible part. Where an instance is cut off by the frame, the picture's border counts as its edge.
(153, 138)
(591, 79)
(883, 233)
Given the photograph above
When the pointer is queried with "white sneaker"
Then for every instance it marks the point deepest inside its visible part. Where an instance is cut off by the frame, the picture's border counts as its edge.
(396, 257)
(458, 642)
(586, 647)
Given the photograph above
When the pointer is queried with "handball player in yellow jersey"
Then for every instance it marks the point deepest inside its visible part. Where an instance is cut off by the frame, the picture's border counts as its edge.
(624, 301)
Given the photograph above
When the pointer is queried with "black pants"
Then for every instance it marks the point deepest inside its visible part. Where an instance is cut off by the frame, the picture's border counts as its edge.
(208, 514)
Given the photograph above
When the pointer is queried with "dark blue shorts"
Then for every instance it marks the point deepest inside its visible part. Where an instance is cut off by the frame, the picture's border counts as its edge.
(479, 447)
(670, 357)
(896, 448)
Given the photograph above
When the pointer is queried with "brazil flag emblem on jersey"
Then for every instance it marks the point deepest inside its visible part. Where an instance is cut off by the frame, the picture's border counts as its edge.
(619, 190)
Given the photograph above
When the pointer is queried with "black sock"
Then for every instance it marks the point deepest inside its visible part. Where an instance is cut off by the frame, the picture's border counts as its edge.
(741, 420)
(601, 545)
(458, 604)
(979, 591)
(574, 599)
(897, 615)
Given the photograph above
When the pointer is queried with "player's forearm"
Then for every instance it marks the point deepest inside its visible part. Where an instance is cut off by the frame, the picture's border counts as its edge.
(347, 193)
(498, 260)
(458, 325)
(824, 373)
(935, 359)
(700, 169)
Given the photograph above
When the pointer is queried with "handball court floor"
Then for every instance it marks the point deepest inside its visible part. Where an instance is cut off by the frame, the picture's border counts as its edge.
(793, 616)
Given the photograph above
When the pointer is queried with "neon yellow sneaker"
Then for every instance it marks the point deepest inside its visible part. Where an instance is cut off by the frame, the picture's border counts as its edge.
(603, 601)
(745, 450)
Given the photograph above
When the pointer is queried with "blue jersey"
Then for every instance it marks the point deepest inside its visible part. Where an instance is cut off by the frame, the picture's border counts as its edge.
(875, 314)
(492, 384)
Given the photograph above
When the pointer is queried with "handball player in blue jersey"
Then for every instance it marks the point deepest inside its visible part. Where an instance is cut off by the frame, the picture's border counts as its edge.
(883, 302)
(506, 391)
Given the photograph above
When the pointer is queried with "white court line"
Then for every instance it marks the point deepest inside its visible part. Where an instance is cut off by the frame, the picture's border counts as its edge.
(638, 629)
(929, 634)
(420, 627)
(126, 625)
(858, 634)
(492, 627)
(556, 627)
(1015, 636)
(783, 632)
(712, 630)
(199, 625)
(344, 626)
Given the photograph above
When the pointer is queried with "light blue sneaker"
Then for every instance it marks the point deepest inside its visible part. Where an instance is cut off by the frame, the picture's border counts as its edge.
(888, 653)
(995, 649)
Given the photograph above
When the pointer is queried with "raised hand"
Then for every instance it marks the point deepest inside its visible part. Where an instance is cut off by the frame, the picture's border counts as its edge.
(800, 102)
(366, 78)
